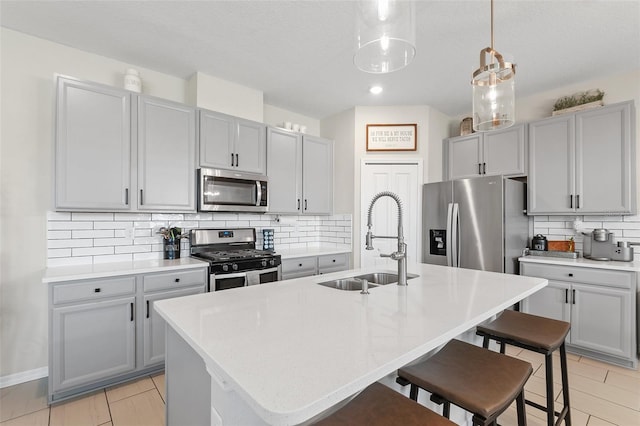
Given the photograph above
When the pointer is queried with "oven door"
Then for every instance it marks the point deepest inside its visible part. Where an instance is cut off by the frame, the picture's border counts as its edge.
(227, 281)
(264, 275)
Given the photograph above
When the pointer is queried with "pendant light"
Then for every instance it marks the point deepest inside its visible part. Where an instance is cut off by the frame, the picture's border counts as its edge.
(385, 36)
(493, 90)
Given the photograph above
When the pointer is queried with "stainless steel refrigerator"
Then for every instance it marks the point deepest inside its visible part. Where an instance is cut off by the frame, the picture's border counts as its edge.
(477, 223)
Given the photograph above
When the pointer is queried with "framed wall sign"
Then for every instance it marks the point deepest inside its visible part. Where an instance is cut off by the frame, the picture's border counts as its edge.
(391, 137)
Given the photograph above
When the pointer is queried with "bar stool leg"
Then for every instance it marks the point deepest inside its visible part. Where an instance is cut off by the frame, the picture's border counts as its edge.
(548, 361)
(565, 384)
(522, 418)
(413, 392)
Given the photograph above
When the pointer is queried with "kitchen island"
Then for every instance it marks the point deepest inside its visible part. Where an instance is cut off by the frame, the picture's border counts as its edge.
(286, 352)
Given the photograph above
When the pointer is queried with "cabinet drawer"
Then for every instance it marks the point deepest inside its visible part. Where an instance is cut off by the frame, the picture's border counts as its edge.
(95, 289)
(299, 265)
(333, 262)
(168, 280)
(605, 277)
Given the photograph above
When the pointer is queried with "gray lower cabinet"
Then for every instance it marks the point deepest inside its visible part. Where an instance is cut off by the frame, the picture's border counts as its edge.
(583, 163)
(166, 155)
(314, 265)
(600, 305)
(501, 152)
(93, 147)
(300, 171)
(104, 331)
(232, 143)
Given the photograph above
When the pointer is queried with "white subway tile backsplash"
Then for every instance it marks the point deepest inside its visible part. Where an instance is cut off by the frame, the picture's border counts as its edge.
(58, 235)
(84, 238)
(91, 251)
(59, 225)
(113, 225)
(100, 233)
(71, 243)
(91, 216)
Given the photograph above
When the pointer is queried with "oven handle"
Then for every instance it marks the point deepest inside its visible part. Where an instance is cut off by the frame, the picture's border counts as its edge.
(235, 275)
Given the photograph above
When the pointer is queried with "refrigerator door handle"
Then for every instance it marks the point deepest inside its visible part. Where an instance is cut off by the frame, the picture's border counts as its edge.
(455, 226)
(448, 234)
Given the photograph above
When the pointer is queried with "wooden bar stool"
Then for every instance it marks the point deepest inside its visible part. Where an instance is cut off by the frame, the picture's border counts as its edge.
(538, 334)
(379, 405)
(477, 380)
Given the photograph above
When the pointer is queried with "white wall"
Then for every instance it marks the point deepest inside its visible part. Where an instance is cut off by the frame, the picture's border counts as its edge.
(28, 68)
(215, 94)
(341, 129)
(275, 116)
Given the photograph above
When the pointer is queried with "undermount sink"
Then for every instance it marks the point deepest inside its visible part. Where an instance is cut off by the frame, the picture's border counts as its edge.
(349, 284)
(375, 279)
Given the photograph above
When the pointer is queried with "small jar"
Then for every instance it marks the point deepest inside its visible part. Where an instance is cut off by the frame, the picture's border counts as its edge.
(132, 80)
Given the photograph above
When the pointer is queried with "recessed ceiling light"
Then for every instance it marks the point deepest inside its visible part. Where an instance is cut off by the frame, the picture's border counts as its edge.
(376, 90)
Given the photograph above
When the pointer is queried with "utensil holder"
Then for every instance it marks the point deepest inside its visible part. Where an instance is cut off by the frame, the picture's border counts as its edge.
(171, 248)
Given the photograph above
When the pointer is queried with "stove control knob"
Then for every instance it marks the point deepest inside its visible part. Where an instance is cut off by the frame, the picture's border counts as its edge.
(234, 266)
(272, 262)
(264, 263)
(225, 267)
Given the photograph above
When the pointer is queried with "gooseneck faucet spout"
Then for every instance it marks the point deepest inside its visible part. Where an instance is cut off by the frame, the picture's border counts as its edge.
(401, 255)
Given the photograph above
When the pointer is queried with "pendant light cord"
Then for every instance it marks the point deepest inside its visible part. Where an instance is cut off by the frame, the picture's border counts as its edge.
(491, 24)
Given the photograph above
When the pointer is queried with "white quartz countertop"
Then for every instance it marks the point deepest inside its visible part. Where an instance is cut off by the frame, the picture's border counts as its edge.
(102, 270)
(292, 349)
(582, 262)
(311, 251)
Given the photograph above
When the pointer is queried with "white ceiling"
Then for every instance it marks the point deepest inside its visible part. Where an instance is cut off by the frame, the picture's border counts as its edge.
(300, 53)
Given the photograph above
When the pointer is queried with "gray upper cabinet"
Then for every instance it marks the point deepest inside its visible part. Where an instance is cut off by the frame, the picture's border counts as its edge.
(232, 143)
(584, 162)
(300, 170)
(317, 175)
(166, 155)
(500, 152)
(93, 147)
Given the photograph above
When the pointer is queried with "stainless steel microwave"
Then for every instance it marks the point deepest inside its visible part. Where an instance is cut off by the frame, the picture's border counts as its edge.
(231, 191)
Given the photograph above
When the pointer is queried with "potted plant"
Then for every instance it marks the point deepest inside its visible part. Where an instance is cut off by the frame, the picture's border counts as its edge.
(578, 101)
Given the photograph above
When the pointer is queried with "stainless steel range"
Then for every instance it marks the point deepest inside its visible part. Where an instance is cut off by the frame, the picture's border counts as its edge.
(233, 258)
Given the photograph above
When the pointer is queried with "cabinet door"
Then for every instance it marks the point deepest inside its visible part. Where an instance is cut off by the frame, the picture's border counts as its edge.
(604, 160)
(464, 156)
(154, 326)
(166, 155)
(504, 152)
(217, 135)
(92, 341)
(601, 319)
(251, 147)
(317, 175)
(92, 148)
(553, 301)
(551, 166)
(284, 169)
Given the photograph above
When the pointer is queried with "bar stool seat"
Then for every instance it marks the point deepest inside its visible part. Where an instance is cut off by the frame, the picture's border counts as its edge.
(538, 334)
(379, 405)
(482, 382)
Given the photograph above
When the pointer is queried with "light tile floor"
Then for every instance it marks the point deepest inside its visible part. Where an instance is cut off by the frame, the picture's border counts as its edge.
(601, 395)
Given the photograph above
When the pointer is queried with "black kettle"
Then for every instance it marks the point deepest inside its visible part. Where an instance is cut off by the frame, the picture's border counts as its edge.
(539, 242)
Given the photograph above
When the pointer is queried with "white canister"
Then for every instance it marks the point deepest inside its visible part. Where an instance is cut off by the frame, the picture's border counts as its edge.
(132, 80)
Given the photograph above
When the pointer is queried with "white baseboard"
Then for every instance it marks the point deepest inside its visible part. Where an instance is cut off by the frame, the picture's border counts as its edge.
(24, 376)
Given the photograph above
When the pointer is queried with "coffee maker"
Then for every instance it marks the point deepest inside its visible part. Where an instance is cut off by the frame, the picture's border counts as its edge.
(600, 245)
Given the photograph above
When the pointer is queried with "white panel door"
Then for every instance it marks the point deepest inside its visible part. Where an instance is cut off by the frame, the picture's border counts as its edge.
(403, 179)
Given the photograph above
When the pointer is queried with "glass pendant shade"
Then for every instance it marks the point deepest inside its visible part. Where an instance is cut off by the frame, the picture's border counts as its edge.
(385, 35)
(494, 100)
